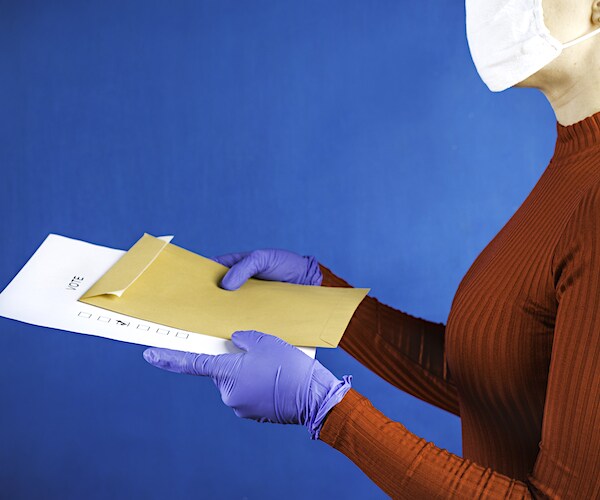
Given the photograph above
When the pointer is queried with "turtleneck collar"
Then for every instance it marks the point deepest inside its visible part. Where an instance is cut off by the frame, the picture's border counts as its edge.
(579, 136)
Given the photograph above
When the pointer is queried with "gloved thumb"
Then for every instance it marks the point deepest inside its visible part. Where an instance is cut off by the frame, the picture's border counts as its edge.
(180, 362)
(229, 259)
(246, 339)
(239, 273)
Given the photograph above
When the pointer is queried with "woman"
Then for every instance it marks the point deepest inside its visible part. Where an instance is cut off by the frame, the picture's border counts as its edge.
(518, 357)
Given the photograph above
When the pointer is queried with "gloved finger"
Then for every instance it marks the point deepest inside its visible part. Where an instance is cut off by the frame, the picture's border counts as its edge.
(249, 266)
(180, 362)
(246, 339)
(229, 259)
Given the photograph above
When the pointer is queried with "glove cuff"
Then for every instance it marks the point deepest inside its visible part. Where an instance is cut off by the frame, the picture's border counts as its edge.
(332, 398)
(313, 274)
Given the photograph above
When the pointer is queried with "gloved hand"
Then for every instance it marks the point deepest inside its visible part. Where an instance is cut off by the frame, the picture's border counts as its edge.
(269, 264)
(271, 381)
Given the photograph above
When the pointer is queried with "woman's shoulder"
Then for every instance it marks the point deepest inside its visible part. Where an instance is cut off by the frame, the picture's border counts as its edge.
(580, 237)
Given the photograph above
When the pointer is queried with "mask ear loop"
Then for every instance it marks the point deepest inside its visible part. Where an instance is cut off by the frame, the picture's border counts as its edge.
(581, 39)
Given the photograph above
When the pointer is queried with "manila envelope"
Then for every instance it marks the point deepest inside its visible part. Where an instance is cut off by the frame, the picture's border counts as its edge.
(163, 283)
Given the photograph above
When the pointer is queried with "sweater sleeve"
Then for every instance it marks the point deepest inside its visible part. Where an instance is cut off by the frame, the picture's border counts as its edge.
(568, 460)
(406, 351)
(404, 465)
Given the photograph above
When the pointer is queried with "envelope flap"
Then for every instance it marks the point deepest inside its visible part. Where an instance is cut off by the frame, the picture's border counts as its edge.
(129, 267)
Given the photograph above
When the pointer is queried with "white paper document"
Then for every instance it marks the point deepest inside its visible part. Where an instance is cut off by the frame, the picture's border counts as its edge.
(47, 289)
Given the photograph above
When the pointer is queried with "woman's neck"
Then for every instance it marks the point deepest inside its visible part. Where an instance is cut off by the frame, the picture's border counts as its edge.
(574, 93)
(575, 103)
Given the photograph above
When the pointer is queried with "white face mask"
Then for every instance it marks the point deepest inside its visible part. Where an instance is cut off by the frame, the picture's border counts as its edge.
(509, 41)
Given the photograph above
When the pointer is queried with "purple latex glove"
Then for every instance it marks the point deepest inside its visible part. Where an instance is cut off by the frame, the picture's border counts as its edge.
(269, 264)
(271, 381)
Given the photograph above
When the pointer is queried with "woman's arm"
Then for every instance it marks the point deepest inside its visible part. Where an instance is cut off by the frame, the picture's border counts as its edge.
(404, 465)
(405, 350)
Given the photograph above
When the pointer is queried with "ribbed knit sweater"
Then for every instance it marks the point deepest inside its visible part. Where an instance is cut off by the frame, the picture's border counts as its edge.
(518, 358)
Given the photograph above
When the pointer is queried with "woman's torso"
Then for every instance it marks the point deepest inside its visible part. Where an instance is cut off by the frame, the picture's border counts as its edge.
(500, 328)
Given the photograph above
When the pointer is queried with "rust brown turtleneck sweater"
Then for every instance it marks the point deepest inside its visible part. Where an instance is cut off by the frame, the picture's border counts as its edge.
(518, 360)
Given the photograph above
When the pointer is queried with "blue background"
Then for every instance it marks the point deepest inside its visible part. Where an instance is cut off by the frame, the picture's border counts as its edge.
(356, 131)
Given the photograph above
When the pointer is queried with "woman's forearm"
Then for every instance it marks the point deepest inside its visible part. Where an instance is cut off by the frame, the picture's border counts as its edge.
(405, 350)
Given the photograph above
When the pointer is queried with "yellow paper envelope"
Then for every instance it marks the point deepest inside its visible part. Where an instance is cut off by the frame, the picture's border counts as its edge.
(163, 283)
